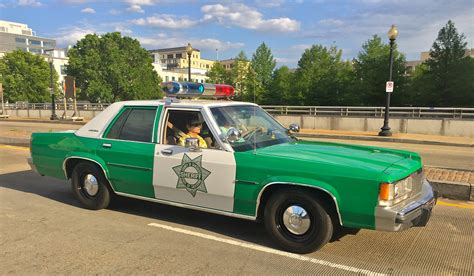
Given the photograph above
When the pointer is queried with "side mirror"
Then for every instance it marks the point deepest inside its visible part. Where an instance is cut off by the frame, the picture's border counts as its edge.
(192, 144)
(294, 128)
(233, 135)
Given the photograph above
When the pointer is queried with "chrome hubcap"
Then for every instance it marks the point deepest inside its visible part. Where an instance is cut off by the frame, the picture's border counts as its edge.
(296, 220)
(91, 185)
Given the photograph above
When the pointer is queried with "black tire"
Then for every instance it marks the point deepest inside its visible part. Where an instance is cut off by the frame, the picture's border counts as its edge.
(320, 227)
(100, 198)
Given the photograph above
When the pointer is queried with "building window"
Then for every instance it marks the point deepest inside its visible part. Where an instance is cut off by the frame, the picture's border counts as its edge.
(3, 29)
(35, 42)
(63, 69)
(24, 49)
(48, 44)
(170, 56)
(185, 79)
(36, 51)
(167, 78)
(20, 40)
(179, 55)
(26, 32)
(173, 78)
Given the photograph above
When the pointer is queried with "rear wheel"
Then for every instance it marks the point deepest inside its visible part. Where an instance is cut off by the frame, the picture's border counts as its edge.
(297, 221)
(89, 186)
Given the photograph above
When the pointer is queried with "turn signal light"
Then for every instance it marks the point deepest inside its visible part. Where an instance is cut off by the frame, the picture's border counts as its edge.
(385, 189)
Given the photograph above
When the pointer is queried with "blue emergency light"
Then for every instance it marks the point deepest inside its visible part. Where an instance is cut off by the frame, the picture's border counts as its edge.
(193, 89)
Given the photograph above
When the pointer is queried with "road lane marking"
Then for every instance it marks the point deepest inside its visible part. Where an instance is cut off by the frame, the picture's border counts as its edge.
(454, 205)
(14, 147)
(266, 249)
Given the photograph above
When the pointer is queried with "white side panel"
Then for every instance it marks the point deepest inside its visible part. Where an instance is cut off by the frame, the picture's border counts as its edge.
(216, 168)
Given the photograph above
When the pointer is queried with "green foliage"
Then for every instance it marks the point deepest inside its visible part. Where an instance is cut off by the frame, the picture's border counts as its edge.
(113, 68)
(448, 71)
(322, 78)
(218, 74)
(262, 65)
(26, 77)
(371, 70)
(239, 75)
(280, 89)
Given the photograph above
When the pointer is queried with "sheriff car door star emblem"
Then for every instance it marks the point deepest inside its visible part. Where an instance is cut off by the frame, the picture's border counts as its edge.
(191, 175)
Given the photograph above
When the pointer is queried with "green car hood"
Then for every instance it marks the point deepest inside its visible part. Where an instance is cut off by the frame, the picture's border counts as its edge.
(361, 161)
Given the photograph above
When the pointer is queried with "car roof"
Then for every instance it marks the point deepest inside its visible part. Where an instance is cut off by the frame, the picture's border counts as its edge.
(183, 102)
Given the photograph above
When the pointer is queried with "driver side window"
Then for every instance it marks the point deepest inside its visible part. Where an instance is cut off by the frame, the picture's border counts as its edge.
(182, 124)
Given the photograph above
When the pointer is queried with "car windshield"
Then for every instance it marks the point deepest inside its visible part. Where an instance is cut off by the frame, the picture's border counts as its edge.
(257, 127)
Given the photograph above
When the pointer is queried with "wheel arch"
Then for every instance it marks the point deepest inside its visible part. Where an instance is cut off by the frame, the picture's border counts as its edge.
(322, 193)
(71, 161)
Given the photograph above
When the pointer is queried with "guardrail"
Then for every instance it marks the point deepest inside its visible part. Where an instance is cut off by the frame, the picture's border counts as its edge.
(339, 111)
(362, 111)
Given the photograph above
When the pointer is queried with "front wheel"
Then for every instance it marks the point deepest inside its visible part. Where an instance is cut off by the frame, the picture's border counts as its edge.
(89, 186)
(297, 222)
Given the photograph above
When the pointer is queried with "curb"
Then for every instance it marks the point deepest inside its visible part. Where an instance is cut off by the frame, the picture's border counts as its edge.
(381, 139)
(453, 190)
(20, 142)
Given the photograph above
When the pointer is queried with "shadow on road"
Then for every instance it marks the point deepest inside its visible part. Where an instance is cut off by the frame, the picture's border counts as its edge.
(59, 190)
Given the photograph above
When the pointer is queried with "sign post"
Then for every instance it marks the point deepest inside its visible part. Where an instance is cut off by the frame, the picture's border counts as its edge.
(70, 92)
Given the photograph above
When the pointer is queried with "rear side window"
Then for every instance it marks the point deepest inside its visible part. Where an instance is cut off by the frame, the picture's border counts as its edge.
(134, 125)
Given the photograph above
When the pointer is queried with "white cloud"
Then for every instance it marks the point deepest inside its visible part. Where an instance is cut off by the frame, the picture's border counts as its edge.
(123, 30)
(31, 3)
(69, 36)
(88, 10)
(204, 44)
(135, 8)
(248, 18)
(165, 21)
(332, 22)
(114, 12)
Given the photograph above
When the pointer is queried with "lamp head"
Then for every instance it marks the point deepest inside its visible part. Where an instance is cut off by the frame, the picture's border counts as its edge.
(393, 33)
(189, 49)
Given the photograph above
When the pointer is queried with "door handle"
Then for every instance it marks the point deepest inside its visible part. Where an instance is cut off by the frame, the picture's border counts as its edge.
(107, 146)
(167, 151)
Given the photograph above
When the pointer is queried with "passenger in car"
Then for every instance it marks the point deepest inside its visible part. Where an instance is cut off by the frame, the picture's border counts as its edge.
(194, 129)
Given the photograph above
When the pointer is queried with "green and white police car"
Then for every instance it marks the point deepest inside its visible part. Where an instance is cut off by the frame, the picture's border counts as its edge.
(251, 167)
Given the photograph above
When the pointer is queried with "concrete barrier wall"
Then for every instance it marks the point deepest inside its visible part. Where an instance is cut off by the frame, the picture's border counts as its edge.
(447, 127)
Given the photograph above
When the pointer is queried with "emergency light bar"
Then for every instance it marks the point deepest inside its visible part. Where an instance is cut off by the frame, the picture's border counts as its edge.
(193, 89)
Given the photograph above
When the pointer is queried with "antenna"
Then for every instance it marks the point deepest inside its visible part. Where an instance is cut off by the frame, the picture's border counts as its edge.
(217, 54)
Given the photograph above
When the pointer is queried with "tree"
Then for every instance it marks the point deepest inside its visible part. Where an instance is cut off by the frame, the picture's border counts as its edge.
(450, 70)
(218, 74)
(239, 73)
(372, 71)
(322, 78)
(112, 68)
(281, 87)
(26, 77)
(263, 65)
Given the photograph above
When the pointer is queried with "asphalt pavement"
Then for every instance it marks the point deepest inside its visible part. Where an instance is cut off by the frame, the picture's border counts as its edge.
(45, 231)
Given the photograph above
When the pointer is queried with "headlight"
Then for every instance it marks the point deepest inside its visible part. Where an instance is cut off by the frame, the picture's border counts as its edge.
(392, 193)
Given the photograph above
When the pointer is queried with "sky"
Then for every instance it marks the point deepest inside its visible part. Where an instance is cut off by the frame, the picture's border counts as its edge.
(288, 27)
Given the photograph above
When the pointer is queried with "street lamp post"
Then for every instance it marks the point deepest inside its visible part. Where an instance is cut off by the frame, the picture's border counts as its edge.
(189, 51)
(385, 130)
(51, 83)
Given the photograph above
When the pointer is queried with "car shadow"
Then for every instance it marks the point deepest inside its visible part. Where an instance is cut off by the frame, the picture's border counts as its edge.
(60, 191)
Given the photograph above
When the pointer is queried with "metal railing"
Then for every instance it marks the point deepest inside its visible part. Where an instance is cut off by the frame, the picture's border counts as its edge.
(362, 111)
(339, 111)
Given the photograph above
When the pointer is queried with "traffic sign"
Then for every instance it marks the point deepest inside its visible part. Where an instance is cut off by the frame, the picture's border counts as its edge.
(389, 86)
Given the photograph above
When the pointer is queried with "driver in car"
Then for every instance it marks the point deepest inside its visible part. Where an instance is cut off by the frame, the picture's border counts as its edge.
(194, 129)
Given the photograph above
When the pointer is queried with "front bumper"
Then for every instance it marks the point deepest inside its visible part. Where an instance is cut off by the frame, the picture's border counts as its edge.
(32, 165)
(414, 214)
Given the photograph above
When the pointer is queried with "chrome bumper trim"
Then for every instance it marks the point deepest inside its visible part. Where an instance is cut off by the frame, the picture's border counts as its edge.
(32, 165)
(413, 214)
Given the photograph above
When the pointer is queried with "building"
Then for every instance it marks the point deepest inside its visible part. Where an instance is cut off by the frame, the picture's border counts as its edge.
(14, 36)
(424, 56)
(172, 64)
(17, 36)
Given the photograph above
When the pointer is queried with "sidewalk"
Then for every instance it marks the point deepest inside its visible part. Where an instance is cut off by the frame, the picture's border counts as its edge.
(451, 183)
(396, 137)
